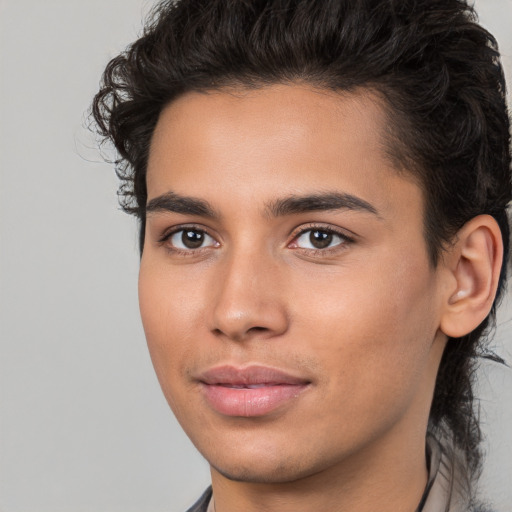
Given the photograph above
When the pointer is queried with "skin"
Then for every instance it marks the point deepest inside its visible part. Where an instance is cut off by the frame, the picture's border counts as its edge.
(360, 320)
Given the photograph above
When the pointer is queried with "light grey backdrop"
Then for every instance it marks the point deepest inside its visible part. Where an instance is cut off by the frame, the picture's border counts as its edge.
(83, 424)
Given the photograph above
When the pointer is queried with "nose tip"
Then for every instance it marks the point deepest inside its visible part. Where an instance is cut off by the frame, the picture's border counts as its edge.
(240, 325)
(249, 304)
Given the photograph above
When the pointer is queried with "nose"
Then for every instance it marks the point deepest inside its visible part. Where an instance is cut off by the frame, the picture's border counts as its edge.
(250, 301)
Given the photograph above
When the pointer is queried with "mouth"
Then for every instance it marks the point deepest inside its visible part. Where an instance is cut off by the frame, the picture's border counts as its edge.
(251, 391)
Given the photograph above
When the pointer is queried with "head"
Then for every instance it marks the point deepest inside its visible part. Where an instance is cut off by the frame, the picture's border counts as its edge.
(437, 95)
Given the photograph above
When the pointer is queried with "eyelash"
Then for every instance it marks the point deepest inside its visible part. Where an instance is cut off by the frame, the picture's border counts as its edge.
(178, 229)
(304, 229)
(345, 239)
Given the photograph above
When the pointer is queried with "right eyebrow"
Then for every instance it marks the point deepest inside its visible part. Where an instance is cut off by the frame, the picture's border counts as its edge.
(175, 203)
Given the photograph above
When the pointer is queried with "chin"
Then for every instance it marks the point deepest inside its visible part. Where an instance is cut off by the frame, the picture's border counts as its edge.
(266, 468)
(257, 474)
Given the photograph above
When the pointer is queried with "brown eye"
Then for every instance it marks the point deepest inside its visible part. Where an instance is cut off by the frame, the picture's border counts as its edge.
(319, 239)
(190, 239)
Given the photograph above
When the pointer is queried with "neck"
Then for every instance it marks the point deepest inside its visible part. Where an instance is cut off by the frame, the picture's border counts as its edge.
(389, 475)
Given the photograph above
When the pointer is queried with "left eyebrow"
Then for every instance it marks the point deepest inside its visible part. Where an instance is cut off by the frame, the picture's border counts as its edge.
(319, 202)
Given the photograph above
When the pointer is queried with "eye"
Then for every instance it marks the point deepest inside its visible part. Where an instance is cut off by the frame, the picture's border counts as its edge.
(188, 239)
(318, 239)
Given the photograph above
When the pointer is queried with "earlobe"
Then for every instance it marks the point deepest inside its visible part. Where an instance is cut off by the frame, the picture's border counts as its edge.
(474, 261)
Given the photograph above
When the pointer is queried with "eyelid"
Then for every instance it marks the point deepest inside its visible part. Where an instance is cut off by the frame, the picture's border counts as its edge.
(347, 236)
(329, 228)
(170, 232)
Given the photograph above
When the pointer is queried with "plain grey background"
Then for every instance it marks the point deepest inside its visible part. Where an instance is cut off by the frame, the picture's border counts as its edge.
(83, 423)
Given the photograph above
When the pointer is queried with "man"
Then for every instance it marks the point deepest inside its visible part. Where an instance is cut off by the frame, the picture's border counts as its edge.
(322, 189)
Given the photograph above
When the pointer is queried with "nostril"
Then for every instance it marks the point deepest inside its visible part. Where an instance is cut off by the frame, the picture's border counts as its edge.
(242, 334)
(257, 329)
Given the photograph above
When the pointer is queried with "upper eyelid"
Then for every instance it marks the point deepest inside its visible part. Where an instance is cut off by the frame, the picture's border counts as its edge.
(304, 228)
(167, 233)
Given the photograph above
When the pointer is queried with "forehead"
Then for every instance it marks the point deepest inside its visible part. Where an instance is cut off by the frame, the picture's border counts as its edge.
(286, 139)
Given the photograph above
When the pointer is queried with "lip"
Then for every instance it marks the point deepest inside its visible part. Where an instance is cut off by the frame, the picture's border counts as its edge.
(250, 391)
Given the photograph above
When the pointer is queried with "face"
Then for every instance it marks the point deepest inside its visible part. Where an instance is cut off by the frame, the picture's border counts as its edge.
(286, 293)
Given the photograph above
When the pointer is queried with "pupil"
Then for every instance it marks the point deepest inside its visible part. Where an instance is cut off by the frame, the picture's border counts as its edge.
(192, 239)
(320, 239)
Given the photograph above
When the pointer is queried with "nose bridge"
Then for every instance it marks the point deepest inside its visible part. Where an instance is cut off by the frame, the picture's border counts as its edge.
(249, 300)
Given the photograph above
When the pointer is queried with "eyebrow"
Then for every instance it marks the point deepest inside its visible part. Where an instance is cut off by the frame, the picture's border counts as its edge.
(291, 205)
(172, 202)
(319, 202)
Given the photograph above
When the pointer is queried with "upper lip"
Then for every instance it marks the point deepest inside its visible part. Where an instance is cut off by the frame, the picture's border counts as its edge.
(249, 376)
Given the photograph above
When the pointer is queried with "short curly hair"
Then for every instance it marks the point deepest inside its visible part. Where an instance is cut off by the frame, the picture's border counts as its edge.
(436, 69)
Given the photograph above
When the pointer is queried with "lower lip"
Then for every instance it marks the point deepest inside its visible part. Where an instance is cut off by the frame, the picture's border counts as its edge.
(250, 402)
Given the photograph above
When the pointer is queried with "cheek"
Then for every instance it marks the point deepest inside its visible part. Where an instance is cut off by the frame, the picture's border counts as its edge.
(171, 301)
(171, 311)
(371, 330)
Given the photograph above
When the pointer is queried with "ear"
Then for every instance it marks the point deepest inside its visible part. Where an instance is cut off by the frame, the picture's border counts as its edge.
(474, 261)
